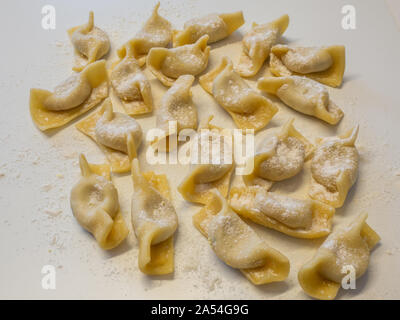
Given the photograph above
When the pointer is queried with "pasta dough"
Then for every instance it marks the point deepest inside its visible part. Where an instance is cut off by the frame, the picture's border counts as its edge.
(216, 26)
(94, 203)
(235, 243)
(156, 32)
(215, 173)
(334, 168)
(90, 43)
(306, 219)
(248, 108)
(154, 220)
(168, 64)
(322, 64)
(110, 130)
(257, 44)
(304, 95)
(131, 85)
(72, 98)
(321, 277)
(281, 157)
(177, 105)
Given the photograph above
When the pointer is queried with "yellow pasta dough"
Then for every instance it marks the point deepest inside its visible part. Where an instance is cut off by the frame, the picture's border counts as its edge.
(322, 277)
(216, 26)
(215, 173)
(110, 130)
(94, 203)
(304, 95)
(168, 64)
(75, 96)
(298, 218)
(257, 44)
(281, 157)
(156, 32)
(177, 106)
(235, 243)
(90, 43)
(131, 85)
(248, 108)
(334, 168)
(322, 64)
(153, 218)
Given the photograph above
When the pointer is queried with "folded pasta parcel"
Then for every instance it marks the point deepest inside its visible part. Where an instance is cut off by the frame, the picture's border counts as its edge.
(90, 43)
(248, 108)
(213, 167)
(94, 203)
(154, 220)
(177, 107)
(110, 130)
(216, 26)
(169, 64)
(300, 218)
(334, 168)
(322, 64)
(347, 249)
(257, 44)
(280, 156)
(303, 95)
(156, 32)
(239, 246)
(75, 96)
(131, 85)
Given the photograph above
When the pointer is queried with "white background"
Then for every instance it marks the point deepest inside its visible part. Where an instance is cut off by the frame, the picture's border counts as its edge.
(38, 170)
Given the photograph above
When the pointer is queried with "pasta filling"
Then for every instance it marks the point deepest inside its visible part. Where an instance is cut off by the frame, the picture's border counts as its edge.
(69, 94)
(303, 95)
(292, 212)
(188, 59)
(211, 24)
(113, 128)
(307, 59)
(287, 161)
(331, 160)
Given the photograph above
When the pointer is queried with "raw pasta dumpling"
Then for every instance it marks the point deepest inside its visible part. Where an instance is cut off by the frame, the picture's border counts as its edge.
(300, 218)
(280, 157)
(90, 43)
(236, 244)
(73, 97)
(213, 170)
(169, 64)
(131, 85)
(347, 249)
(154, 220)
(303, 95)
(248, 108)
(216, 26)
(176, 106)
(110, 130)
(334, 168)
(156, 32)
(257, 44)
(322, 64)
(94, 203)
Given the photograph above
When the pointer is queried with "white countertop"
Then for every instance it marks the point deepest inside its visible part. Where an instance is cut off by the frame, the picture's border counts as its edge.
(37, 170)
